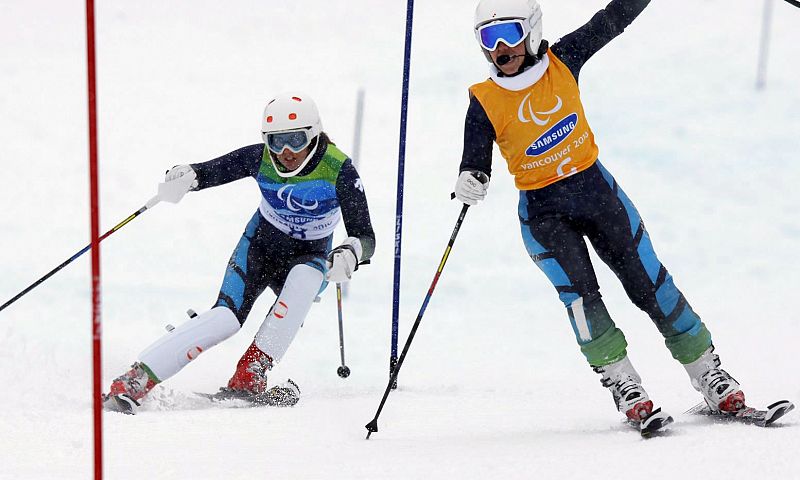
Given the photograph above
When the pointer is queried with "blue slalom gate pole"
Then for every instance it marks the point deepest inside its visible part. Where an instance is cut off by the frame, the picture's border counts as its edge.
(372, 426)
(398, 226)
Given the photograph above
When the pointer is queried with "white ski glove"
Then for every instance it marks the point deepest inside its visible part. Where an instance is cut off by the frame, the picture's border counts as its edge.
(177, 183)
(343, 260)
(471, 187)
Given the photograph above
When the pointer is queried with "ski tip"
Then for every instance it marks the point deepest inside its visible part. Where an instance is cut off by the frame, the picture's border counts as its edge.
(120, 403)
(783, 404)
(776, 411)
(655, 423)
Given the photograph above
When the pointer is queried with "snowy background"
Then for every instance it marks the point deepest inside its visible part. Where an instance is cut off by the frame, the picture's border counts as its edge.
(494, 385)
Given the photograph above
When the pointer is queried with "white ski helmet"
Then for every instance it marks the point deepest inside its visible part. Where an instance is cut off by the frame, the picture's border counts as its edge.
(491, 11)
(286, 114)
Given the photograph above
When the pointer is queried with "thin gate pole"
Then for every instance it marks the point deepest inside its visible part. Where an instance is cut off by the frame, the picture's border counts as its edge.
(398, 228)
(763, 53)
(95, 234)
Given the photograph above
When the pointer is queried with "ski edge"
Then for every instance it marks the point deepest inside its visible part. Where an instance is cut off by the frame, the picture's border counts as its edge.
(748, 415)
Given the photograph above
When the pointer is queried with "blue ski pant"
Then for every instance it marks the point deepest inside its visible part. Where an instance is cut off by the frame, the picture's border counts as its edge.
(556, 219)
(263, 258)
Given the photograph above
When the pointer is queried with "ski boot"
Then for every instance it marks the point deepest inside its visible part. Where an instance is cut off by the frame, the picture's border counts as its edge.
(723, 397)
(631, 399)
(127, 390)
(721, 392)
(249, 382)
(251, 371)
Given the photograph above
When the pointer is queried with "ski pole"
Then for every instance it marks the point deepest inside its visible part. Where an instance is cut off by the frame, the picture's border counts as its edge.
(152, 202)
(796, 3)
(343, 370)
(373, 425)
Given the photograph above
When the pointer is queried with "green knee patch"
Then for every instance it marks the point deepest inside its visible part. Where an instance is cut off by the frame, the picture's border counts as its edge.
(606, 349)
(687, 347)
(149, 373)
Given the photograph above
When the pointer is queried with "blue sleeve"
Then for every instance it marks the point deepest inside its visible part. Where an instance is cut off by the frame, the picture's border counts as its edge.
(579, 46)
(355, 211)
(232, 166)
(479, 135)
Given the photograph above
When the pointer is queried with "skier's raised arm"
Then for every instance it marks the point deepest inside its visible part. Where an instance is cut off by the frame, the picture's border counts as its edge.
(232, 166)
(238, 164)
(577, 47)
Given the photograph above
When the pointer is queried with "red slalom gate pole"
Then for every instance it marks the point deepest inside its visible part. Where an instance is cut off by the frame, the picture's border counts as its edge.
(95, 231)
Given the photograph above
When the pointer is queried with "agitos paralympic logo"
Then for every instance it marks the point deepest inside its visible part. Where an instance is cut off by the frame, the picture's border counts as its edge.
(293, 204)
(532, 115)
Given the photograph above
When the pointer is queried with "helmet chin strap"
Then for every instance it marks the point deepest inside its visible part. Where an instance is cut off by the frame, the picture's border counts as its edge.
(281, 170)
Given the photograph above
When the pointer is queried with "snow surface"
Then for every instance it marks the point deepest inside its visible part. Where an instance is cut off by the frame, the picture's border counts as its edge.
(494, 385)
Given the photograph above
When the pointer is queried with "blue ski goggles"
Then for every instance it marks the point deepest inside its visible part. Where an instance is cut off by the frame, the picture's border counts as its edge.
(294, 140)
(510, 32)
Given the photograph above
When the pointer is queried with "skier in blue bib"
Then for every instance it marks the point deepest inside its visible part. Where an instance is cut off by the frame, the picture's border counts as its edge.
(307, 186)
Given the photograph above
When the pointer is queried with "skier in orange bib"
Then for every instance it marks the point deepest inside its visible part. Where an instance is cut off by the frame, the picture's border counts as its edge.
(531, 107)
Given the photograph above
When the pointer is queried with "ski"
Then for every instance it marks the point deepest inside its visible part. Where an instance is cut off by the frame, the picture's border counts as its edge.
(653, 425)
(747, 415)
(284, 395)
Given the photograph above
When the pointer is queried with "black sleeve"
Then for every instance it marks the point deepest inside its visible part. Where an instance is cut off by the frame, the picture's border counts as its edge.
(479, 135)
(237, 164)
(577, 47)
(355, 211)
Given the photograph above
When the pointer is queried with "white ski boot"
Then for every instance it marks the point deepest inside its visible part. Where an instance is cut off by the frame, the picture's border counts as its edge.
(630, 397)
(721, 391)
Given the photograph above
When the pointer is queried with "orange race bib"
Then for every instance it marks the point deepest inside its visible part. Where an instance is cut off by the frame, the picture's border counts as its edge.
(541, 130)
